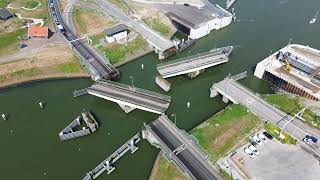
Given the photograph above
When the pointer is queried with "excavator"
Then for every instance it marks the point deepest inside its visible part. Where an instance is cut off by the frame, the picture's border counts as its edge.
(287, 65)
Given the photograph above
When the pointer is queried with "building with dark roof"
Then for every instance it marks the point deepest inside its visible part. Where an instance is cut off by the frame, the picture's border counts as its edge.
(116, 33)
(5, 14)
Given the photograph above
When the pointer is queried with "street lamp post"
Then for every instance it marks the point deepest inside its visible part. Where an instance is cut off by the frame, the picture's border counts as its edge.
(175, 118)
(131, 77)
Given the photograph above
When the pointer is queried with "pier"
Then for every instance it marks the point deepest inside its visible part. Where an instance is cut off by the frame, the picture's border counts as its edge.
(70, 131)
(193, 64)
(130, 96)
(106, 165)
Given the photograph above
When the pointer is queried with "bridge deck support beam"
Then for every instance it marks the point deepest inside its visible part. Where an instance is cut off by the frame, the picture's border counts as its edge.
(109, 168)
(225, 99)
(213, 92)
(133, 147)
(125, 108)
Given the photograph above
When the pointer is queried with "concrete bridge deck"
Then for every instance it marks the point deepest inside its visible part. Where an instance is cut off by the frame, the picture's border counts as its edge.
(237, 93)
(194, 63)
(181, 149)
(131, 96)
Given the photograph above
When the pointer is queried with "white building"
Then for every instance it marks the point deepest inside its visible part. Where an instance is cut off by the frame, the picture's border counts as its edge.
(198, 22)
(117, 33)
(295, 69)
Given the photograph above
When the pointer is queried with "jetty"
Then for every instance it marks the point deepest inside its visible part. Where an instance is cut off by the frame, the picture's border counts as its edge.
(72, 130)
(106, 165)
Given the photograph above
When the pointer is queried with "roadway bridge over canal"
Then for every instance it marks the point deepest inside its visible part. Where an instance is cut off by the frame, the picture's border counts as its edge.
(130, 96)
(98, 67)
(194, 63)
(238, 94)
(180, 148)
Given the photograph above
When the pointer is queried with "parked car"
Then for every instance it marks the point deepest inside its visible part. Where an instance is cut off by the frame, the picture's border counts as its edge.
(311, 140)
(269, 136)
(21, 46)
(262, 137)
(249, 152)
(256, 139)
(253, 149)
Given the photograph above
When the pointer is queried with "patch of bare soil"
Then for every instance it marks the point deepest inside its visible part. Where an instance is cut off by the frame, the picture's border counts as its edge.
(49, 56)
(229, 133)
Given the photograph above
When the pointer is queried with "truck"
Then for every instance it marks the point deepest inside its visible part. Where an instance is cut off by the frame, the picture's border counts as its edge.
(311, 141)
(61, 28)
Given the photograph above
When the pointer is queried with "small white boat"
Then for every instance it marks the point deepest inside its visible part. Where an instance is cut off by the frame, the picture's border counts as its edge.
(314, 19)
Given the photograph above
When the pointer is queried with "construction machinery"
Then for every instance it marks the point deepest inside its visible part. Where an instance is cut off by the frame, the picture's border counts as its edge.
(287, 66)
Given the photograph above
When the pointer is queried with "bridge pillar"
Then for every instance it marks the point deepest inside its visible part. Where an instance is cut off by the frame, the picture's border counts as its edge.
(108, 167)
(161, 55)
(225, 99)
(126, 109)
(133, 147)
(213, 92)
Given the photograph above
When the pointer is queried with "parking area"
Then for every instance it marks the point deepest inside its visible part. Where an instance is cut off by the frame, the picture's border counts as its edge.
(275, 161)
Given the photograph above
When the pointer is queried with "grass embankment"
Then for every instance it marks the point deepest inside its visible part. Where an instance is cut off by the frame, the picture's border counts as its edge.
(3, 3)
(275, 132)
(157, 25)
(118, 52)
(166, 171)
(120, 4)
(67, 69)
(220, 133)
(9, 41)
(292, 105)
(31, 4)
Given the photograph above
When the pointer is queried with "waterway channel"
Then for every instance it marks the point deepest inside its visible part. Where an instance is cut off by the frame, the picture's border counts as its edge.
(29, 144)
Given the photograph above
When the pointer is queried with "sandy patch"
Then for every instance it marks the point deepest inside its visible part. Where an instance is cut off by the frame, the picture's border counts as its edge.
(49, 56)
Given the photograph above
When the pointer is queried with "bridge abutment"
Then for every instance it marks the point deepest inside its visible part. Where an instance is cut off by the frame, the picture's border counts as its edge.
(225, 99)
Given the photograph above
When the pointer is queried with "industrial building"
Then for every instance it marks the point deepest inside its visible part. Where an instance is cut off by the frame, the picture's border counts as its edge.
(295, 69)
(116, 33)
(197, 22)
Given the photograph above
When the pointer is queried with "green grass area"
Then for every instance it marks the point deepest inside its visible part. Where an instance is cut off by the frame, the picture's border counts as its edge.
(225, 175)
(168, 171)
(80, 25)
(9, 41)
(31, 4)
(118, 52)
(96, 38)
(21, 74)
(3, 3)
(292, 105)
(220, 133)
(71, 67)
(157, 25)
(119, 4)
(274, 131)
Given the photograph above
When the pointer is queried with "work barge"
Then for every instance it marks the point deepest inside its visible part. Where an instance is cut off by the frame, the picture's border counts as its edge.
(295, 69)
(70, 131)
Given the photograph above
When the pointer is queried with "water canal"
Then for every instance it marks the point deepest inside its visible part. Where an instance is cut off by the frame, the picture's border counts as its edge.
(29, 144)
